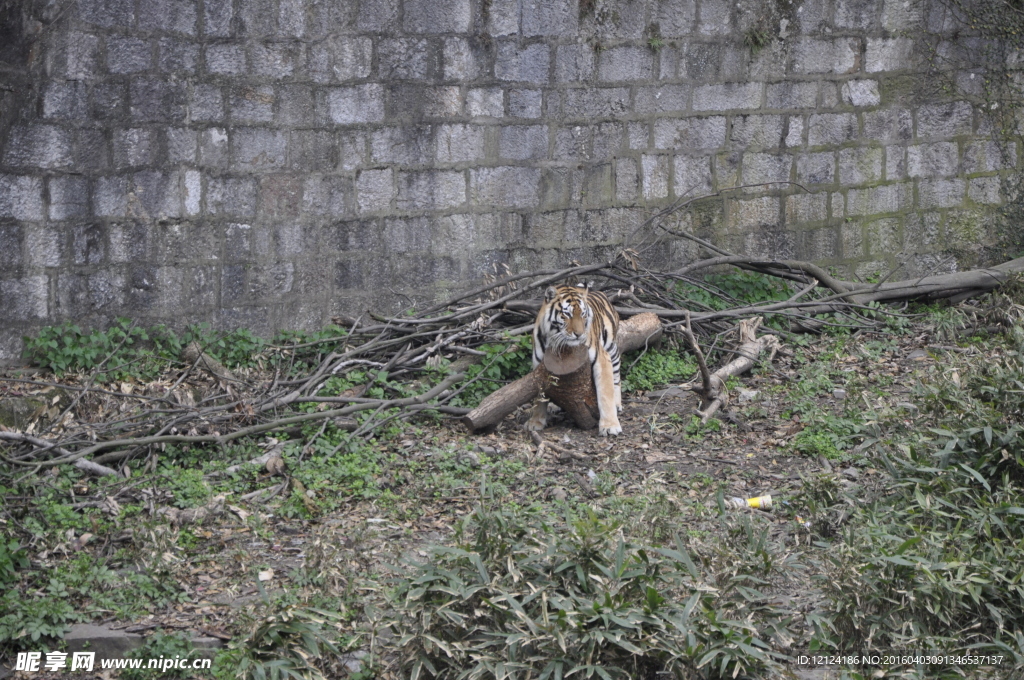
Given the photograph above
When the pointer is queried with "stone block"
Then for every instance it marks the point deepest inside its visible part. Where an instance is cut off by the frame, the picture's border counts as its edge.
(464, 60)
(883, 236)
(756, 132)
(938, 159)
(312, 151)
(225, 59)
(861, 93)
(405, 145)
(217, 15)
(169, 16)
(252, 104)
(857, 14)
(625, 63)
(38, 146)
(192, 192)
(408, 59)
(257, 18)
(375, 190)
(108, 101)
(727, 96)
(21, 197)
(522, 142)
(794, 132)
(155, 195)
(984, 156)
(663, 99)
(716, 17)
(888, 54)
(690, 134)
(702, 61)
(851, 236)
(407, 234)
(357, 104)
(459, 143)
(206, 104)
(128, 243)
(574, 63)
(608, 139)
(889, 198)
(524, 103)
(836, 55)
(560, 187)
(259, 148)
(276, 60)
(675, 17)
(340, 58)
(291, 18)
(831, 129)
(485, 101)
(526, 63)
(549, 17)
(213, 148)
(940, 193)
(326, 196)
(155, 100)
(69, 197)
(280, 197)
(668, 58)
(942, 121)
(763, 168)
(45, 246)
(88, 244)
(78, 57)
(638, 135)
(895, 162)
(110, 196)
(66, 100)
(91, 150)
(296, 107)
(985, 190)
(505, 187)
(572, 143)
(231, 196)
(654, 172)
(901, 15)
(177, 56)
(818, 244)
(25, 299)
(693, 176)
(134, 147)
(437, 16)
(791, 95)
(627, 180)
(770, 242)
(860, 165)
(889, 125)
(805, 208)
(431, 190)
(596, 103)
(107, 13)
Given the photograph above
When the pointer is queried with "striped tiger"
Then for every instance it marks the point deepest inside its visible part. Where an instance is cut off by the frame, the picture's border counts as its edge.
(572, 316)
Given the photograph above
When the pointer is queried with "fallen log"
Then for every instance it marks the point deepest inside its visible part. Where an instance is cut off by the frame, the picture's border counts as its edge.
(564, 379)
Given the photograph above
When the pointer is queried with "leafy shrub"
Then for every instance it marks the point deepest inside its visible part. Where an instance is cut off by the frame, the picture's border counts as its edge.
(656, 368)
(811, 442)
(500, 363)
(518, 597)
(157, 646)
(12, 558)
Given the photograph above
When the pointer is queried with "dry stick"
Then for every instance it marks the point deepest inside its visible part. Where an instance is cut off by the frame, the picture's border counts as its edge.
(68, 456)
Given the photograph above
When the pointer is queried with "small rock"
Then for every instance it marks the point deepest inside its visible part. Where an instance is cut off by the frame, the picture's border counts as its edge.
(746, 396)
(108, 644)
(558, 494)
(469, 458)
(839, 394)
(353, 661)
(917, 355)
(852, 473)
(206, 647)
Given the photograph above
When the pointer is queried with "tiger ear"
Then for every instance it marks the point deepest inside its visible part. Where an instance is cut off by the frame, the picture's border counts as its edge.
(590, 284)
(550, 293)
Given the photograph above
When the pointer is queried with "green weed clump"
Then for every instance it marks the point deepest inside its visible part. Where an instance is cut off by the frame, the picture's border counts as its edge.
(519, 596)
(656, 368)
(934, 563)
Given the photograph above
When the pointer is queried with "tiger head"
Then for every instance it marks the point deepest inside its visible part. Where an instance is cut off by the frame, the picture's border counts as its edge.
(568, 316)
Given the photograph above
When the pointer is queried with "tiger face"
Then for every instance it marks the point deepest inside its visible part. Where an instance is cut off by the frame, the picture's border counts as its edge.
(574, 316)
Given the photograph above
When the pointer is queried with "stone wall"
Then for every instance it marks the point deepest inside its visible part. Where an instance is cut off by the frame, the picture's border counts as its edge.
(269, 163)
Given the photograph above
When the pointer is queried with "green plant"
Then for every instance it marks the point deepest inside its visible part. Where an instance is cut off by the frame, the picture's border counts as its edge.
(655, 368)
(288, 643)
(810, 442)
(500, 363)
(520, 596)
(160, 646)
(12, 558)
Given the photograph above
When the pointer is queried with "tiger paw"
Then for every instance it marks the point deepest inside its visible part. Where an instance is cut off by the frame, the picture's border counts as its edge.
(612, 428)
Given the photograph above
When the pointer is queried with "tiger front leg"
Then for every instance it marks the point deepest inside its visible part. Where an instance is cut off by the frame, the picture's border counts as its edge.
(539, 418)
(604, 382)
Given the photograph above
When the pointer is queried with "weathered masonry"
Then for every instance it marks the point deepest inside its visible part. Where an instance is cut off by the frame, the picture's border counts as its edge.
(268, 163)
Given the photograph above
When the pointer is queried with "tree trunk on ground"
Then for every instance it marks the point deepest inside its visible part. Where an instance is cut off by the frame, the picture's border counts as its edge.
(564, 379)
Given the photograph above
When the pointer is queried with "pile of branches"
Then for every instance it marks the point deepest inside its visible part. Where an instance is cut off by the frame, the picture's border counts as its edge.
(406, 346)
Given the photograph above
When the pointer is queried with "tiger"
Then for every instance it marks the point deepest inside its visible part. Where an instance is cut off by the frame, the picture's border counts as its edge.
(572, 316)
